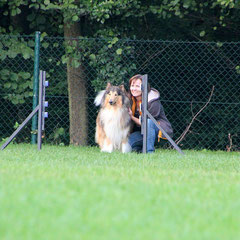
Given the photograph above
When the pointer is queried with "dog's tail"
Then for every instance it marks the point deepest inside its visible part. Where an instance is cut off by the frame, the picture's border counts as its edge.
(99, 98)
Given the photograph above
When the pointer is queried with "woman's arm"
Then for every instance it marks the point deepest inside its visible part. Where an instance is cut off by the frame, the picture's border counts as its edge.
(154, 109)
(136, 120)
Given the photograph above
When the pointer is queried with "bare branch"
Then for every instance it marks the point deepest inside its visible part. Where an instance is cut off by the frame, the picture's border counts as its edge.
(229, 147)
(194, 118)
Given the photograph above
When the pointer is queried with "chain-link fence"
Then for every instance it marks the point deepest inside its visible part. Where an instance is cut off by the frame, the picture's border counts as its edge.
(198, 83)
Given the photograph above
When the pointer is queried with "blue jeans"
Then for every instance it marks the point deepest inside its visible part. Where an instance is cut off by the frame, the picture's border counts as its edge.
(136, 139)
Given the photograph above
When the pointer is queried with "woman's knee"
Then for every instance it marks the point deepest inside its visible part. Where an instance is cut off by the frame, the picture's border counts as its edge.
(134, 138)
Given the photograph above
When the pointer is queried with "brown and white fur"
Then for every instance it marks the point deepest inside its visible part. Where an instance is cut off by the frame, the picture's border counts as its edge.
(113, 120)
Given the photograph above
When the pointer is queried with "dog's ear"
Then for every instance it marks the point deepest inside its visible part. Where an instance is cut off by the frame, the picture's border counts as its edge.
(122, 88)
(108, 85)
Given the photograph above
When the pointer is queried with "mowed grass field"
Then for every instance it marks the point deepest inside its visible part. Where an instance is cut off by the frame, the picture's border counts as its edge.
(81, 193)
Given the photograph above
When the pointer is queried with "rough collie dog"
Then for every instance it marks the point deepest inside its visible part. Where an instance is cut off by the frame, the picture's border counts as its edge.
(113, 120)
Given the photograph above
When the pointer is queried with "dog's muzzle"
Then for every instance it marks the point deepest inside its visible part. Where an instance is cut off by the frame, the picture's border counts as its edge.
(111, 102)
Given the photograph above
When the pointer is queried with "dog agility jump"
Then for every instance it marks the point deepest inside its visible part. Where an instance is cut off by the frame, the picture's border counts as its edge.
(41, 113)
(113, 123)
(146, 114)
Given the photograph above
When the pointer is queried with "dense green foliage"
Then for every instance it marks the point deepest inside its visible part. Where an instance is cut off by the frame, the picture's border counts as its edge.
(216, 20)
(73, 193)
(186, 19)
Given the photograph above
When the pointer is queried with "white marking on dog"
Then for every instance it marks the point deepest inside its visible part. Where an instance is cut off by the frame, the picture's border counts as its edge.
(99, 97)
(126, 148)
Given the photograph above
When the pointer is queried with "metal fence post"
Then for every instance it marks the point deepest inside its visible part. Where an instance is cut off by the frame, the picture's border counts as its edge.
(40, 112)
(35, 85)
(42, 104)
(144, 111)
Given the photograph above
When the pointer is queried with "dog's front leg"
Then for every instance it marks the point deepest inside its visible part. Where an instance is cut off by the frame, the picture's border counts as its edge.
(107, 146)
(126, 147)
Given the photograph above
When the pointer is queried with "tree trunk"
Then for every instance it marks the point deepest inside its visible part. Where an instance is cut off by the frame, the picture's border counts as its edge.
(77, 93)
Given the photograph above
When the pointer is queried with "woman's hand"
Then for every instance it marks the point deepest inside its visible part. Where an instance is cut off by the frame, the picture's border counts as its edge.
(136, 120)
(130, 112)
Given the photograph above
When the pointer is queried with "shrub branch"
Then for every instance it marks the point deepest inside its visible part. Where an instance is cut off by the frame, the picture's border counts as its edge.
(194, 118)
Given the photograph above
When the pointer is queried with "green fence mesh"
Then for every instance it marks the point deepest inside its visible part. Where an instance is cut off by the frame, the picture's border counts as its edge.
(198, 82)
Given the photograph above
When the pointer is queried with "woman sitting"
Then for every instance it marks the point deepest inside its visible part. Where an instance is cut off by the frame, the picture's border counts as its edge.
(155, 108)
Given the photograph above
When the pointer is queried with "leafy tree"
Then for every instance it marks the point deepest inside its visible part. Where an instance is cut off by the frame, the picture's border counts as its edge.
(215, 20)
(68, 15)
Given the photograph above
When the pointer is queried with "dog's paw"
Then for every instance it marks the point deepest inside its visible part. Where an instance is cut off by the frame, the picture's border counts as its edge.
(126, 148)
(107, 148)
(107, 151)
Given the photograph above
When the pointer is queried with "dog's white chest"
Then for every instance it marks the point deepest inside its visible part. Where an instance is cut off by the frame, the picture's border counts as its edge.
(111, 119)
(114, 125)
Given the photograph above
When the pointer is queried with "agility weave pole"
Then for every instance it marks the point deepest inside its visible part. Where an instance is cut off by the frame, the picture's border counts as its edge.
(146, 114)
(40, 108)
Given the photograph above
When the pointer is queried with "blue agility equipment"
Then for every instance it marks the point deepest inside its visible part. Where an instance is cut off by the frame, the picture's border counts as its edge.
(42, 104)
(40, 108)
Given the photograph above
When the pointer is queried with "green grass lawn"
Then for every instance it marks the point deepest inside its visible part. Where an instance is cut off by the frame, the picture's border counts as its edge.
(80, 193)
